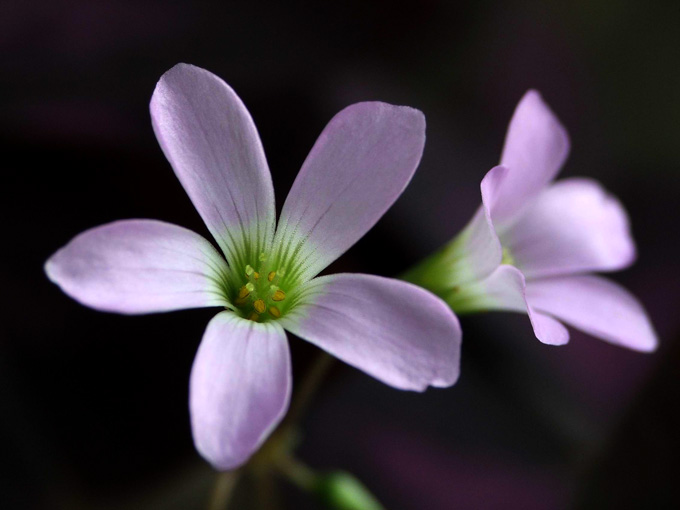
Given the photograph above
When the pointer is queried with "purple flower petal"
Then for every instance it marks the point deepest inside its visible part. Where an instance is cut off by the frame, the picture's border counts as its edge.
(211, 142)
(139, 266)
(358, 167)
(535, 148)
(480, 251)
(573, 226)
(505, 289)
(597, 306)
(239, 389)
(396, 332)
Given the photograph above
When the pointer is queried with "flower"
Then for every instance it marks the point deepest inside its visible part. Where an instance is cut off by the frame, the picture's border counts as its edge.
(240, 381)
(532, 244)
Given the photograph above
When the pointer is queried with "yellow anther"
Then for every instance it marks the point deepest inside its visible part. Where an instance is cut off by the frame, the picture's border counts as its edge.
(271, 275)
(279, 295)
(253, 316)
(249, 270)
(256, 275)
(243, 292)
(259, 306)
(250, 287)
(275, 311)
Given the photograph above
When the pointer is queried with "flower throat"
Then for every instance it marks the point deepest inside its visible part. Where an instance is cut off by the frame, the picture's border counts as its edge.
(260, 299)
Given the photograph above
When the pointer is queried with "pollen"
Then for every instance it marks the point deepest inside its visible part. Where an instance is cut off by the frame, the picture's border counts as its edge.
(275, 312)
(259, 306)
(271, 275)
(256, 275)
(279, 295)
(243, 292)
(253, 316)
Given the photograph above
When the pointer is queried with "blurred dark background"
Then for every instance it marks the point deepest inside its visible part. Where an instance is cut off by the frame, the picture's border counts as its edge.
(93, 409)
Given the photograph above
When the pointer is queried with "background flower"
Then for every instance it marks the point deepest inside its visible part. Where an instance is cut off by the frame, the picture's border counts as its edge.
(532, 244)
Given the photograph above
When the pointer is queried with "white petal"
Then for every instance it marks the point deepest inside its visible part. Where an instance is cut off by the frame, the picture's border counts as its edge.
(140, 266)
(239, 389)
(211, 142)
(396, 332)
(597, 306)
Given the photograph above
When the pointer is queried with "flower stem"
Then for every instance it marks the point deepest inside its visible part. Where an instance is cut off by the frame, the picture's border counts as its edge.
(308, 389)
(223, 490)
(298, 473)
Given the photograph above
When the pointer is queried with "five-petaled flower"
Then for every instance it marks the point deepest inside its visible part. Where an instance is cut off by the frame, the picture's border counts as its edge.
(240, 382)
(532, 243)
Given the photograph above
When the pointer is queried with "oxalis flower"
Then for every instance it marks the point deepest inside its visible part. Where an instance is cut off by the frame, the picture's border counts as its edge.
(532, 244)
(240, 382)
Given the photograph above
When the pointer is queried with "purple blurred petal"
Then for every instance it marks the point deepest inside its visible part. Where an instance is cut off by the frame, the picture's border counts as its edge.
(536, 146)
(211, 142)
(392, 330)
(239, 388)
(139, 266)
(573, 226)
(482, 248)
(597, 306)
(505, 289)
(357, 168)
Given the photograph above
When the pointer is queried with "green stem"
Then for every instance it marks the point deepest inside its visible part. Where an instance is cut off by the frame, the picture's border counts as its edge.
(298, 473)
(308, 389)
(223, 490)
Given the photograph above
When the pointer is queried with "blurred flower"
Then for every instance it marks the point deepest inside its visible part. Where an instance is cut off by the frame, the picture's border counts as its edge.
(532, 243)
(241, 378)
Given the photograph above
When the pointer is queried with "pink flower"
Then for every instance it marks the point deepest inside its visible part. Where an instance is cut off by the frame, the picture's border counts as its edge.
(241, 378)
(532, 244)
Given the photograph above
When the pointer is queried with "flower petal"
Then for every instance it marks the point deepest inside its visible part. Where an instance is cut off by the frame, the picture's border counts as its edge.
(483, 250)
(597, 306)
(358, 167)
(573, 226)
(536, 146)
(211, 142)
(505, 289)
(140, 266)
(239, 388)
(397, 332)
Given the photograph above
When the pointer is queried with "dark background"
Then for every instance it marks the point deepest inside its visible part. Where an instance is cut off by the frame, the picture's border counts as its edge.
(93, 407)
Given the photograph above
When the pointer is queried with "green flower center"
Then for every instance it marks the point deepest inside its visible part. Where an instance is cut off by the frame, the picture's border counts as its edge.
(507, 257)
(257, 294)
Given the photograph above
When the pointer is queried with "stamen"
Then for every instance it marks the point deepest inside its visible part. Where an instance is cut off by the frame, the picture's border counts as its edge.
(249, 270)
(259, 306)
(250, 286)
(275, 311)
(263, 257)
(253, 316)
(243, 292)
(279, 295)
(271, 275)
(256, 275)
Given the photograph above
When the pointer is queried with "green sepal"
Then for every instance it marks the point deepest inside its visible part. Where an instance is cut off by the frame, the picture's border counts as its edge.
(340, 490)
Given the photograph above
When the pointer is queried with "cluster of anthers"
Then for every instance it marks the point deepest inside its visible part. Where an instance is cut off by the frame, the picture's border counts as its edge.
(260, 298)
